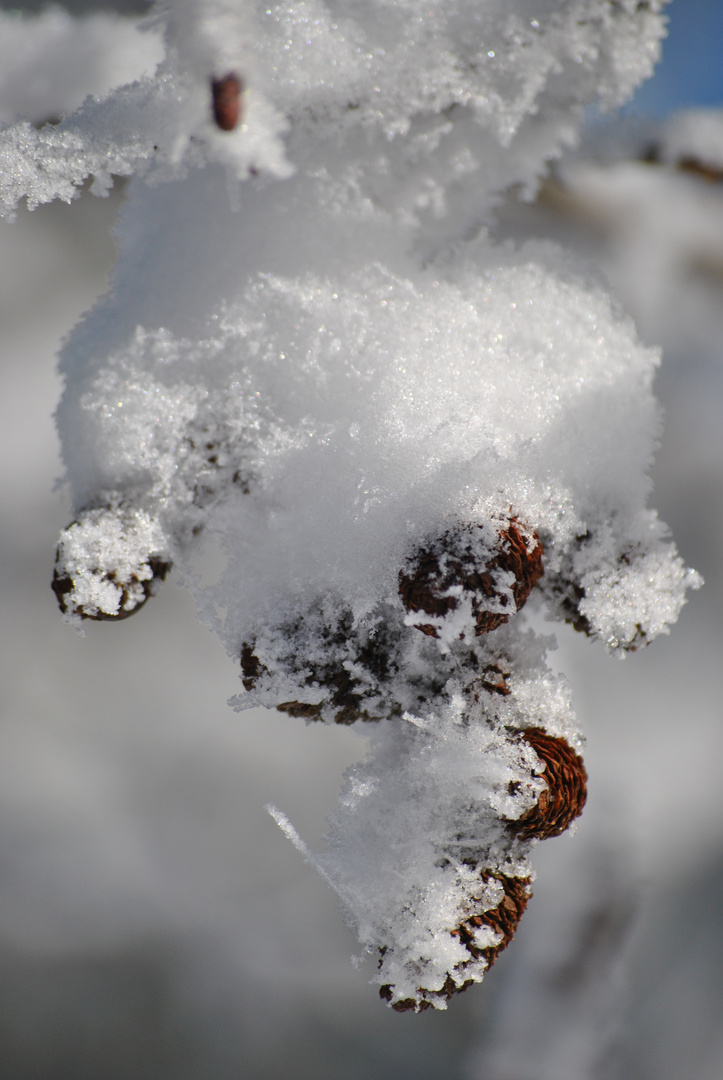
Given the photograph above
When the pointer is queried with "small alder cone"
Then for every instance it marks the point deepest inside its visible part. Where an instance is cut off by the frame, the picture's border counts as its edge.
(493, 571)
(500, 923)
(568, 591)
(226, 97)
(348, 668)
(565, 795)
(108, 563)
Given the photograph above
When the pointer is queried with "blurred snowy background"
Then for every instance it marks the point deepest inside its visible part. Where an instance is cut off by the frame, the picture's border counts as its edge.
(153, 920)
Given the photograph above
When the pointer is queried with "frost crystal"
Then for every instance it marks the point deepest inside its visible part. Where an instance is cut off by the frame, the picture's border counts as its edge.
(401, 431)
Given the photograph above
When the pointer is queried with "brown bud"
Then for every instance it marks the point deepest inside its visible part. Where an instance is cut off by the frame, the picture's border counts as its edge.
(565, 793)
(460, 559)
(226, 93)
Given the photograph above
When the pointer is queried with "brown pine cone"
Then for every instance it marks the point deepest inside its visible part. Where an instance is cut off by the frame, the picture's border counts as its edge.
(564, 797)
(462, 558)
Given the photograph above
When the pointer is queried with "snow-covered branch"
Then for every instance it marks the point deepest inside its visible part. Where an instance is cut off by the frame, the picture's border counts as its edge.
(403, 433)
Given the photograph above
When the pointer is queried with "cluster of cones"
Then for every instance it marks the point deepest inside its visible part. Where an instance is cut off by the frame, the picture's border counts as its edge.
(456, 591)
(560, 802)
(453, 593)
